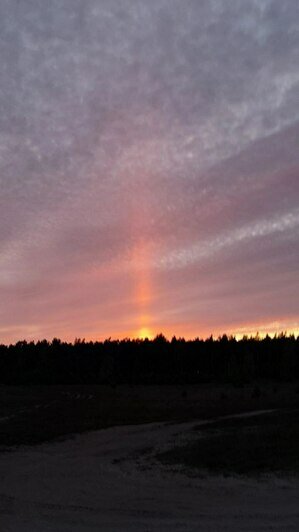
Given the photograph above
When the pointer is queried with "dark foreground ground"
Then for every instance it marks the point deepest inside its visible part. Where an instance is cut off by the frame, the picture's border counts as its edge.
(208, 458)
(263, 443)
(35, 414)
(111, 480)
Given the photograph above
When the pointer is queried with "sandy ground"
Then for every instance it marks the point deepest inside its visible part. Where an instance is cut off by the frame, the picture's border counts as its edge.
(109, 481)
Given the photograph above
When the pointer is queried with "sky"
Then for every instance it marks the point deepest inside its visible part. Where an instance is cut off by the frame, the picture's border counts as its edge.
(148, 168)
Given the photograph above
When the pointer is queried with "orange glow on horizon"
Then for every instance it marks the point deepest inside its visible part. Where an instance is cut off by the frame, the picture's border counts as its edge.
(145, 333)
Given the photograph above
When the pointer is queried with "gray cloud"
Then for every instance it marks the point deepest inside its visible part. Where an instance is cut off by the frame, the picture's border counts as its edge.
(133, 133)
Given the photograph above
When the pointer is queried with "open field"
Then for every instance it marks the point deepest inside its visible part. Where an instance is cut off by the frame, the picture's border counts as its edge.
(154, 458)
(34, 414)
(251, 445)
(110, 480)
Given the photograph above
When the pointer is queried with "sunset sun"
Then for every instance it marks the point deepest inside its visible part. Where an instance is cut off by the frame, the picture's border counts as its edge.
(144, 333)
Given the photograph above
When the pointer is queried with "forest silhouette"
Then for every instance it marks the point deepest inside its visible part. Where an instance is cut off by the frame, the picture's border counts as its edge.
(157, 361)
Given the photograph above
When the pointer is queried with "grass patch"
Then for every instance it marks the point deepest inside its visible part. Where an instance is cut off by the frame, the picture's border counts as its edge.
(34, 414)
(251, 446)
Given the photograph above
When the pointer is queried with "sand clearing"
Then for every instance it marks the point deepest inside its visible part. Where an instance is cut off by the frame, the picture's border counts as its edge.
(108, 480)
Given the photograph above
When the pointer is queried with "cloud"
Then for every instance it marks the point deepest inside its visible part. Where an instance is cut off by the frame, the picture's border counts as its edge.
(137, 134)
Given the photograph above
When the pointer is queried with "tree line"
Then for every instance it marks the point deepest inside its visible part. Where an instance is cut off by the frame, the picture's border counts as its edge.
(157, 361)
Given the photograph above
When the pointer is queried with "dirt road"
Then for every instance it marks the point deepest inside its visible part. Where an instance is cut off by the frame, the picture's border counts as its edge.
(109, 481)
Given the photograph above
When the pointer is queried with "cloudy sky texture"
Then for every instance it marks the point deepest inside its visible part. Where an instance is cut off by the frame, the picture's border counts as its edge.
(149, 155)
